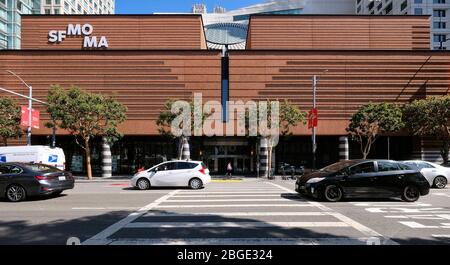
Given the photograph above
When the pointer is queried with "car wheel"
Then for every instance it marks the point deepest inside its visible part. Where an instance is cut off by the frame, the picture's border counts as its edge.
(195, 183)
(143, 184)
(332, 193)
(411, 193)
(15, 193)
(440, 182)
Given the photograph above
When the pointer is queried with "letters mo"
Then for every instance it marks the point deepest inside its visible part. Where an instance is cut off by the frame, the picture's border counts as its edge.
(86, 30)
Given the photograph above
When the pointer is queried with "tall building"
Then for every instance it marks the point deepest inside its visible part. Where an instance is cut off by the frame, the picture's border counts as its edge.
(10, 25)
(288, 7)
(230, 27)
(72, 7)
(439, 10)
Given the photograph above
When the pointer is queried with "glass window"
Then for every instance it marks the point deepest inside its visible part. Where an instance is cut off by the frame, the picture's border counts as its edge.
(10, 170)
(407, 166)
(387, 166)
(424, 165)
(43, 168)
(367, 167)
(167, 166)
(186, 165)
(417, 1)
(418, 11)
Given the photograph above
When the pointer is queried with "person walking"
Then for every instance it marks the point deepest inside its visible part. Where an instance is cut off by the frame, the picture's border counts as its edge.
(229, 169)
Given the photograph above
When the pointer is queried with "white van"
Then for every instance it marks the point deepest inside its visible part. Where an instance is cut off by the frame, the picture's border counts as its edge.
(34, 154)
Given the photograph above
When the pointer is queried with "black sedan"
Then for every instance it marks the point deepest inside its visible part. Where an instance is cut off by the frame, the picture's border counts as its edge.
(364, 179)
(20, 180)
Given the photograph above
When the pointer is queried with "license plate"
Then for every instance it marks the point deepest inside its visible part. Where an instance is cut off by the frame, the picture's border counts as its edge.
(62, 178)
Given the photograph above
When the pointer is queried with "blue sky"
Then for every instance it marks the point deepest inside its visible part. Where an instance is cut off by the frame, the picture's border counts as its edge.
(184, 6)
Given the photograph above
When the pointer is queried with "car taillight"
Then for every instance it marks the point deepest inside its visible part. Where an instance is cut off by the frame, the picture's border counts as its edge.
(38, 178)
(202, 170)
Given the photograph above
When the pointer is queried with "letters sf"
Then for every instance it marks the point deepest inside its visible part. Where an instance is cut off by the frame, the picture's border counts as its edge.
(58, 36)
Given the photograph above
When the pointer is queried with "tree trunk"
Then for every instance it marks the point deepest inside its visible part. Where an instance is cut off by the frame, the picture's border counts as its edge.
(270, 148)
(445, 150)
(88, 159)
(180, 147)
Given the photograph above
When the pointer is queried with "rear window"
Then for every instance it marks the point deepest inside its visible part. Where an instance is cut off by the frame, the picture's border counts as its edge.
(407, 166)
(186, 165)
(387, 166)
(43, 168)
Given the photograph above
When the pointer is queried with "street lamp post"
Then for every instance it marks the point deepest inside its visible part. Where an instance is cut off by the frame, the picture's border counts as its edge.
(30, 105)
(314, 143)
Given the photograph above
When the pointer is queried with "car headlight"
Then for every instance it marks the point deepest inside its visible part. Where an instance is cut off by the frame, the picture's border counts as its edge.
(315, 180)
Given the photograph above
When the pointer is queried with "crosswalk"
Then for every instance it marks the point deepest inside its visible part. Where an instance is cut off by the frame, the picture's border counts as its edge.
(249, 213)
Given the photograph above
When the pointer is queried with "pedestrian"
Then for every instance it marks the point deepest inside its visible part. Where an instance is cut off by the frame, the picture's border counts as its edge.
(229, 169)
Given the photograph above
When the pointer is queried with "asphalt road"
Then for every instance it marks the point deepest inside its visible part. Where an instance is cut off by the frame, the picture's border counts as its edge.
(228, 213)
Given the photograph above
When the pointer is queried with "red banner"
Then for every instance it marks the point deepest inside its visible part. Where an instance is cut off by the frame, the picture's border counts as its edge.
(35, 117)
(313, 118)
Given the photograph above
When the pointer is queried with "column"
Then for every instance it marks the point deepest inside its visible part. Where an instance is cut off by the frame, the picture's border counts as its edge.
(186, 154)
(263, 158)
(344, 150)
(106, 159)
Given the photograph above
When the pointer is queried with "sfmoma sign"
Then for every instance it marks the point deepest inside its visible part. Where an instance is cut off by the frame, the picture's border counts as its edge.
(85, 30)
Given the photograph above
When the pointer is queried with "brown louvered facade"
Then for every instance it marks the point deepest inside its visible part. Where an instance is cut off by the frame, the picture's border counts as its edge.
(339, 32)
(126, 32)
(143, 80)
(353, 78)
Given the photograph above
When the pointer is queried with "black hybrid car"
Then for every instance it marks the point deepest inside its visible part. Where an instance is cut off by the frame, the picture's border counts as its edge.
(364, 179)
(21, 180)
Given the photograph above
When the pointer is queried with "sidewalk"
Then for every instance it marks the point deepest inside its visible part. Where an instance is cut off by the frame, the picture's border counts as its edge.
(218, 178)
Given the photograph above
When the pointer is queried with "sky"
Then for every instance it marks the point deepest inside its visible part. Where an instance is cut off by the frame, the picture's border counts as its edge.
(180, 6)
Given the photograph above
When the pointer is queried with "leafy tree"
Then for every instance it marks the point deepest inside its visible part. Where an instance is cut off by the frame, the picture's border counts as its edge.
(85, 115)
(288, 116)
(371, 121)
(166, 118)
(430, 117)
(10, 115)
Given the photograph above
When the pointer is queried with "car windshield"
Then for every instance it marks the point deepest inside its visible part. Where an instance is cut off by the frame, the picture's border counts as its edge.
(43, 168)
(338, 166)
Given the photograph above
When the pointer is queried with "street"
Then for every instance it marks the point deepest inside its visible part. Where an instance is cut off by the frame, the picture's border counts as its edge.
(251, 211)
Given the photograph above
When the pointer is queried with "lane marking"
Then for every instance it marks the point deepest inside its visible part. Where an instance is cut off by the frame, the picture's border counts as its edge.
(233, 195)
(441, 236)
(243, 241)
(105, 208)
(234, 224)
(356, 225)
(225, 214)
(102, 237)
(231, 192)
(232, 200)
(232, 205)
(417, 225)
(382, 205)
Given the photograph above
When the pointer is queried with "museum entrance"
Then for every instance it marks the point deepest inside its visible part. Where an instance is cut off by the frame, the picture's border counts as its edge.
(240, 153)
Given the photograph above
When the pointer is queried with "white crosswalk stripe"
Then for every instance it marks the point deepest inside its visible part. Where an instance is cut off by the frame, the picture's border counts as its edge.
(230, 207)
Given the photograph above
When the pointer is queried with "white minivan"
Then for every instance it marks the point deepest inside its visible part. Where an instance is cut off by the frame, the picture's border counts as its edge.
(34, 154)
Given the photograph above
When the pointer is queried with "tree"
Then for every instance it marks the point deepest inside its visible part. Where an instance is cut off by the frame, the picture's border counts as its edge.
(10, 115)
(430, 117)
(284, 119)
(371, 121)
(166, 118)
(85, 115)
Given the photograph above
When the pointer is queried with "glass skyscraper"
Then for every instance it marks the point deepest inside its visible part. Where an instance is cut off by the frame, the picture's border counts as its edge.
(10, 13)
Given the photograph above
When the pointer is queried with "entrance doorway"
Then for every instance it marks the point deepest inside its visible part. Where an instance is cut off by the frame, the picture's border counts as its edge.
(237, 152)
